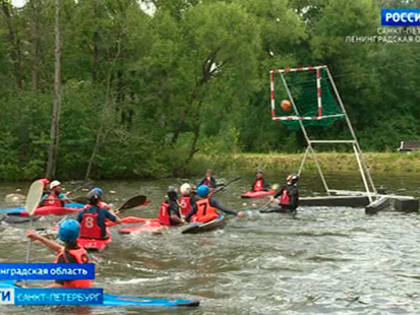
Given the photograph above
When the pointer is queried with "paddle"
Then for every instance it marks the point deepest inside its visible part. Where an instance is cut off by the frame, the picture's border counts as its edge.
(79, 199)
(264, 205)
(219, 189)
(275, 186)
(32, 200)
(131, 203)
(79, 188)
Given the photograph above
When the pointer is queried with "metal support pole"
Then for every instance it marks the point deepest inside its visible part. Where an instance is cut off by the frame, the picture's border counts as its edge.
(369, 195)
(340, 101)
(318, 166)
(303, 160)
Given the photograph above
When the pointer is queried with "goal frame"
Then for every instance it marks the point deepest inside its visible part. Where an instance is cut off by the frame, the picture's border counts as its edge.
(370, 190)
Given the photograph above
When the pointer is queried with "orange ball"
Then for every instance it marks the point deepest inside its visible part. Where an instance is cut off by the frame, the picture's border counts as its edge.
(286, 106)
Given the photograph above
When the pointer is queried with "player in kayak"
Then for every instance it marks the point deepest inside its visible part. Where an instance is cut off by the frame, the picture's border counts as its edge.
(209, 180)
(101, 204)
(205, 207)
(70, 253)
(259, 183)
(287, 198)
(169, 212)
(184, 201)
(94, 215)
(55, 197)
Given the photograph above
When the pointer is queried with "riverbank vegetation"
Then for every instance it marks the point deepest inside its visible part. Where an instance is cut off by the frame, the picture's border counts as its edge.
(160, 88)
(331, 162)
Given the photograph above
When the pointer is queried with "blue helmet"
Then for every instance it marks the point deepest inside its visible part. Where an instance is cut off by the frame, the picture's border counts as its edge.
(203, 191)
(94, 195)
(69, 230)
(98, 191)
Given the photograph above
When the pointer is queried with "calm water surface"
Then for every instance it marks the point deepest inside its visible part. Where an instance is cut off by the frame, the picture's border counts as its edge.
(326, 261)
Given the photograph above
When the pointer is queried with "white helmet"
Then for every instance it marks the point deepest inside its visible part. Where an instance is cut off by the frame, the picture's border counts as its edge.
(54, 184)
(185, 189)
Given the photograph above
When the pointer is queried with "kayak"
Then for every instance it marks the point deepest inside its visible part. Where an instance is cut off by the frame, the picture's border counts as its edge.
(153, 226)
(199, 227)
(93, 244)
(125, 300)
(48, 210)
(147, 225)
(68, 208)
(132, 220)
(15, 219)
(258, 194)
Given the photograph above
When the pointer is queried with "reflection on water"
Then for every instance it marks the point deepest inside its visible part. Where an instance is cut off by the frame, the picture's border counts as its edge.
(335, 261)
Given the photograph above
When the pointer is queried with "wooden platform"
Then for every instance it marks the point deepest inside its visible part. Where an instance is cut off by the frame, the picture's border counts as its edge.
(360, 200)
(335, 201)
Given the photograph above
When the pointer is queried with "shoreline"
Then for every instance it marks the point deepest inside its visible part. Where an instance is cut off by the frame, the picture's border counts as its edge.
(405, 163)
(379, 163)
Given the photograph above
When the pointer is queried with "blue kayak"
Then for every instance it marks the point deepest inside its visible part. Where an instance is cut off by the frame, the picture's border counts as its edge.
(18, 210)
(127, 301)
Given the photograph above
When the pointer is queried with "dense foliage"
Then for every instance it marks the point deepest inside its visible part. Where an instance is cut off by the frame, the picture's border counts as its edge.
(161, 80)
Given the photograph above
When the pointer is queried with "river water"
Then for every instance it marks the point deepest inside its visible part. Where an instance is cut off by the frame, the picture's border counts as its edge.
(325, 261)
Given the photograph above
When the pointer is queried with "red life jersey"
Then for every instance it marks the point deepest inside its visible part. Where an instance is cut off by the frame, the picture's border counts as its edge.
(184, 205)
(53, 201)
(89, 227)
(258, 185)
(205, 212)
(80, 255)
(285, 197)
(163, 217)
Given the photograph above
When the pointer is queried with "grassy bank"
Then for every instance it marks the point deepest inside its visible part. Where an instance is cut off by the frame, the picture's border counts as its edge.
(398, 163)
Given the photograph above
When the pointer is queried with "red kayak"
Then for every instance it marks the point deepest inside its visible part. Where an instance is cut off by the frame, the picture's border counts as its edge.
(132, 220)
(151, 226)
(94, 244)
(51, 210)
(258, 194)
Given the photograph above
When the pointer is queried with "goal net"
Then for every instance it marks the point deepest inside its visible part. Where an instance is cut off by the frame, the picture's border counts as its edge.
(310, 93)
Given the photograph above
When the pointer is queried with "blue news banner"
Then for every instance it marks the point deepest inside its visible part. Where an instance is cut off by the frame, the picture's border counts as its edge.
(51, 296)
(11, 294)
(400, 17)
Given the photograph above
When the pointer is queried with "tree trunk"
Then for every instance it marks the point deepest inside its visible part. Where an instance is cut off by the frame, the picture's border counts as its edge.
(95, 65)
(55, 119)
(36, 42)
(93, 154)
(193, 150)
(206, 75)
(14, 40)
(101, 131)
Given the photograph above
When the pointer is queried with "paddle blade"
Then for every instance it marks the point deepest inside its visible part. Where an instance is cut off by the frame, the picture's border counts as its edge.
(219, 189)
(133, 202)
(34, 196)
